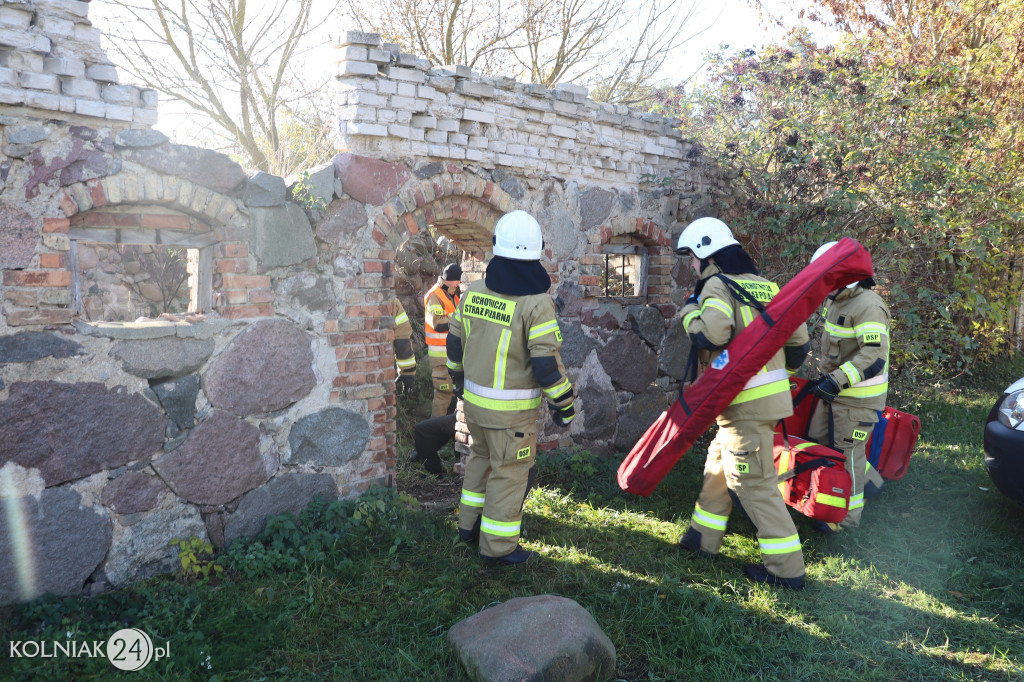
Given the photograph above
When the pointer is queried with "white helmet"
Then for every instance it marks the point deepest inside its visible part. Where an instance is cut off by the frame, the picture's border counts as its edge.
(822, 249)
(705, 237)
(517, 236)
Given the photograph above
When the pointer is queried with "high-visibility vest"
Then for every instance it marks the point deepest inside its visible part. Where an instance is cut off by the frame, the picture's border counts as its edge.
(436, 339)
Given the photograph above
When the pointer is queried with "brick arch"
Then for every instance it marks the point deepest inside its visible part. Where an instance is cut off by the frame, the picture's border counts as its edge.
(128, 187)
(449, 193)
(648, 231)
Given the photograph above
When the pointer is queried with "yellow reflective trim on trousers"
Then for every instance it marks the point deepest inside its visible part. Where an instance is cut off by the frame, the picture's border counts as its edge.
(457, 366)
(406, 362)
(865, 391)
(557, 389)
(830, 500)
(501, 358)
(472, 499)
(505, 529)
(748, 394)
(709, 520)
(780, 545)
(501, 405)
(856, 501)
(401, 319)
(720, 306)
(688, 318)
(851, 372)
(542, 329)
(436, 352)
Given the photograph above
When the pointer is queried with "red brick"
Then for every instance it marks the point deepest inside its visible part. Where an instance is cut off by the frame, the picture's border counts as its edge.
(379, 237)
(105, 219)
(37, 278)
(169, 221)
(28, 298)
(243, 311)
(51, 260)
(330, 326)
(56, 225)
(68, 205)
(410, 224)
(236, 281)
(232, 250)
(231, 265)
(589, 280)
(99, 196)
(261, 296)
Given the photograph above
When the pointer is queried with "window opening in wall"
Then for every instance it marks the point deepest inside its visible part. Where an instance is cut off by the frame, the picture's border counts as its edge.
(122, 272)
(625, 272)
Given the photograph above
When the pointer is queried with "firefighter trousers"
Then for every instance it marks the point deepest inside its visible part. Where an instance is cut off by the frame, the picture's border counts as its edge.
(851, 427)
(740, 459)
(495, 485)
(444, 395)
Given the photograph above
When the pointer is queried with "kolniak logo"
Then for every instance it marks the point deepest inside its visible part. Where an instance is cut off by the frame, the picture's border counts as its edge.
(127, 649)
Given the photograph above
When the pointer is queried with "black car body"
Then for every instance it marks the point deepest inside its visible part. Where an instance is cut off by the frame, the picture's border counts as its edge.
(1004, 442)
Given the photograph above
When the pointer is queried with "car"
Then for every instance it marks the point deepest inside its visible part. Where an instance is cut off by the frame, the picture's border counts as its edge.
(1004, 442)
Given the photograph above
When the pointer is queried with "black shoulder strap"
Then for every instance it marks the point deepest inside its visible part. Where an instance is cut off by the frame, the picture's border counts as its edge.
(744, 296)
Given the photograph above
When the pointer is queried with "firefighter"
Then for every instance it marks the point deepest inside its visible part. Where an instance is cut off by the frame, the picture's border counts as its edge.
(438, 305)
(503, 357)
(854, 386)
(740, 463)
(405, 361)
(429, 436)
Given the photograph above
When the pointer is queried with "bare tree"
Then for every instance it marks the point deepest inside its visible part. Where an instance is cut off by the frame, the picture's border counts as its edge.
(616, 46)
(233, 62)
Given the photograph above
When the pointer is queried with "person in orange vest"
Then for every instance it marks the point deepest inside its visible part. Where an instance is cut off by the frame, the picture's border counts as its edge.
(439, 304)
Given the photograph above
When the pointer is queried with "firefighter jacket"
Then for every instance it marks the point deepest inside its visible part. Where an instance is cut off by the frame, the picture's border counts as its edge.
(403, 338)
(507, 346)
(438, 306)
(855, 347)
(715, 320)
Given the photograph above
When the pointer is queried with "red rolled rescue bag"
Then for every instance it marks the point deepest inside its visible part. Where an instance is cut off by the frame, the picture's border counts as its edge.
(813, 478)
(674, 432)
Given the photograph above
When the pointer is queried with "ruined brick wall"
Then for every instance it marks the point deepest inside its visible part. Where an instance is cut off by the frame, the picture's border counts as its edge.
(277, 385)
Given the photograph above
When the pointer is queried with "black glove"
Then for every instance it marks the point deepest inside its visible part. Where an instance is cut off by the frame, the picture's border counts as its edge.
(562, 416)
(827, 389)
(406, 384)
(458, 380)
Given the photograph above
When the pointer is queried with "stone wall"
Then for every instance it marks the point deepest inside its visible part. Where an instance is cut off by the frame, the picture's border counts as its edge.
(277, 385)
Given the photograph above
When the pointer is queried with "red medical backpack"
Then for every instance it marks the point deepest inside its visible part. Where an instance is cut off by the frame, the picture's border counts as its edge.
(813, 478)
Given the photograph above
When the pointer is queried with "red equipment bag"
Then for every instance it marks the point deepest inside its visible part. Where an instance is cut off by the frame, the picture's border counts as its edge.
(892, 442)
(673, 434)
(813, 478)
(802, 411)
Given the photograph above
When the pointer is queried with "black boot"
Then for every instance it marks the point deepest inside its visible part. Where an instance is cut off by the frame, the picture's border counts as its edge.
(432, 463)
(471, 536)
(691, 543)
(516, 556)
(759, 574)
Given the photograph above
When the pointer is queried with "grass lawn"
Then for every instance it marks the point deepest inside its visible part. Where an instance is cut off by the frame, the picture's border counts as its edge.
(931, 587)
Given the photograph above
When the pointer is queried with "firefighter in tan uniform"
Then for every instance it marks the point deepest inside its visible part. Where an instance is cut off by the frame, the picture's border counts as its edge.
(740, 459)
(405, 360)
(503, 345)
(438, 306)
(855, 365)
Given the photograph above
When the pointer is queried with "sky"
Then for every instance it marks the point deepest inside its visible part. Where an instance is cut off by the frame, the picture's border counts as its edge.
(731, 22)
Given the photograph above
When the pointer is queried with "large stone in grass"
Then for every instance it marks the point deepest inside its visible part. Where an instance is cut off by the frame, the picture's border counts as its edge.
(630, 363)
(219, 461)
(49, 544)
(267, 367)
(331, 437)
(534, 639)
(144, 549)
(70, 431)
(285, 493)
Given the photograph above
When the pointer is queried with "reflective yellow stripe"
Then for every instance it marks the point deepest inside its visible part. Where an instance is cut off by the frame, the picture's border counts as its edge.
(780, 545)
(401, 319)
(688, 318)
(472, 499)
(783, 467)
(851, 372)
(865, 391)
(457, 366)
(856, 501)
(500, 358)
(437, 351)
(721, 306)
(748, 315)
(748, 394)
(505, 529)
(709, 520)
(830, 500)
(501, 405)
(406, 363)
(542, 329)
(465, 326)
(558, 389)
(859, 330)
